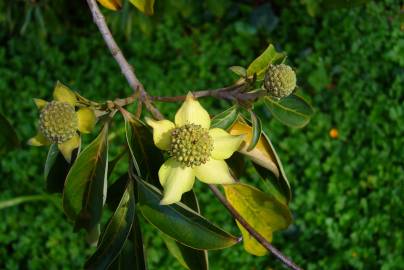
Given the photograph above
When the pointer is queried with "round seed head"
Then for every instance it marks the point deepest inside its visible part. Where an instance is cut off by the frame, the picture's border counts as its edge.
(280, 80)
(58, 121)
(191, 145)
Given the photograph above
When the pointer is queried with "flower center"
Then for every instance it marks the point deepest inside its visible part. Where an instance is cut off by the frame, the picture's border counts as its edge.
(191, 145)
(58, 121)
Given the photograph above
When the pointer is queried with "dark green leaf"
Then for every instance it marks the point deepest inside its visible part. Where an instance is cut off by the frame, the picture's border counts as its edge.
(132, 255)
(8, 137)
(225, 119)
(86, 184)
(237, 164)
(181, 222)
(188, 257)
(256, 131)
(147, 158)
(292, 111)
(116, 232)
(116, 190)
(262, 62)
(241, 71)
(112, 163)
(56, 169)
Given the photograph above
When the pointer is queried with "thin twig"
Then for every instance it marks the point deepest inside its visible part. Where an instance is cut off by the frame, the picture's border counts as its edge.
(286, 261)
(126, 68)
(234, 93)
(198, 94)
(144, 97)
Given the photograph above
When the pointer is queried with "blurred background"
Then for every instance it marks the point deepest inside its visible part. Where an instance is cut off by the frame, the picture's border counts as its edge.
(345, 167)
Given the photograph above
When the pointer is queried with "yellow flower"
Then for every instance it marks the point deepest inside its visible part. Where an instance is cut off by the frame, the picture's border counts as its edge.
(195, 150)
(59, 121)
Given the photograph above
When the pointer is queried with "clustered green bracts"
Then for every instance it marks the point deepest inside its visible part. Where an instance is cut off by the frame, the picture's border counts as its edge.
(280, 80)
(58, 121)
(191, 145)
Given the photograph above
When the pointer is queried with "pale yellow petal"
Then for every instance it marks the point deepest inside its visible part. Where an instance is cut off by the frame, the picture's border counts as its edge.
(86, 120)
(67, 147)
(38, 140)
(64, 94)
(224, 144)
(191, 112)
(175, 180)
(214, 172)
(40, 103)
(161, 132)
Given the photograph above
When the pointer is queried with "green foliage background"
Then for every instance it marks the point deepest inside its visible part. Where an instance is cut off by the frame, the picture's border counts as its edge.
(348, 202)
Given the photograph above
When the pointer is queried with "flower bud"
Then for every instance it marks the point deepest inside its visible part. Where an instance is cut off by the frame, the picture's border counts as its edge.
(280, 80)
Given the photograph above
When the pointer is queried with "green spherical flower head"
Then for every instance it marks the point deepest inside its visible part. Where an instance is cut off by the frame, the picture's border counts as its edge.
(58, 121)
(191, 145)
(280, 80)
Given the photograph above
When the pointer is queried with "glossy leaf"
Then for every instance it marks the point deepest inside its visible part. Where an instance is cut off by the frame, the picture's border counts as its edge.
(188, 257)
(225, 119)
(145, 6)
(256, 131)
(262, 62)
(116, 190)
(266, 161)
(262, 211)
(8, 136)
(132, 256)
(85, 189)
(147, 158)
(56, 169)
(241, 71)
(292, 111)
(116, 232)
(112, 163)
(181, 222)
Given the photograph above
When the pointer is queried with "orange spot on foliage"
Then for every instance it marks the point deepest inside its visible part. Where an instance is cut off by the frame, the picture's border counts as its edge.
(334, 133)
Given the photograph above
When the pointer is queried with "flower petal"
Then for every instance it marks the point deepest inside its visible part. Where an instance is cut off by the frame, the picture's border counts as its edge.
(38, 140)
(64, 94)
(161, 132)
(86, 120)
(224, 144)
(40, 103)
(67, 147)
(175, 180)
(214, 172)
(191, 112)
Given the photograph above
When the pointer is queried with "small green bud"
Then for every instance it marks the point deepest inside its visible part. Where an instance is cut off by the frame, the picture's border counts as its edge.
(191, 145)
(280, 80)
(58, 121)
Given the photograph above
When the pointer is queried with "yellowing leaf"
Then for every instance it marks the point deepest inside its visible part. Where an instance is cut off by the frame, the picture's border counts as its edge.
(145, 6)
(111, 4)
(261, 154)
(265, 160)
(262, 211)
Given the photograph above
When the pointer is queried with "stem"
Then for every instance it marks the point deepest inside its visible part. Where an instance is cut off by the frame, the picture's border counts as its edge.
(286, 261)
(144, 97)
(204, 93)
(126, 68)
